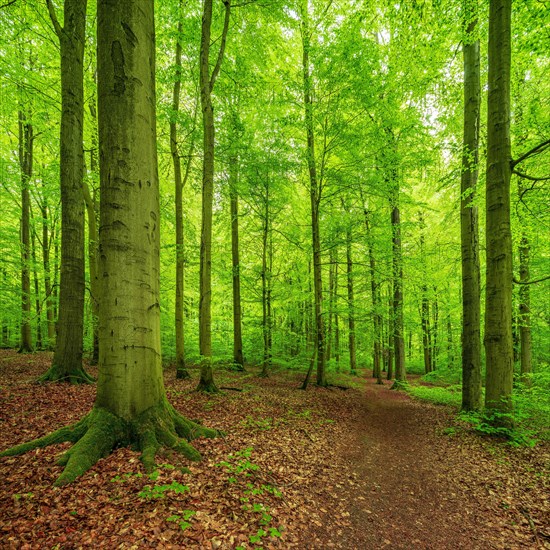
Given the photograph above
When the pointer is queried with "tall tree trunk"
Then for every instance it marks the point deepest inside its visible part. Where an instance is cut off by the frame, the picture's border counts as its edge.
(46, 243)
(92, 208)
(391, 338)
(25, 163)
(330, 303)
(375, 296)
(179, 184)
(131, 407)
(435, 337)
(426, 335)
(399, 341)
(425, 306)
(38, 307)
(238, 358)
(207, 81)
(266, 284)
(93, 239)
(525, 310)
(351, 305)
(498, 303)
(67, 361)
(336, 318)
(315, 198)
(5, 319)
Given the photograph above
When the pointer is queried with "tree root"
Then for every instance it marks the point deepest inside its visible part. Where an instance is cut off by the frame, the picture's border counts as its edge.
(58, 374)
(100, 431)
(399, 385)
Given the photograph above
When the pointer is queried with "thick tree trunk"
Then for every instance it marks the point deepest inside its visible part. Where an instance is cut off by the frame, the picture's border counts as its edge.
(179, 183)
(314, 194)
(238, 358)
(131, 405)
(67, 360)
(498, 303)
(25, 163)
(351, 306)
(469, 233)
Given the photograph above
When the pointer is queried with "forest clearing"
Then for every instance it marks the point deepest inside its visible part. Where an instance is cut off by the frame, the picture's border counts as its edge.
(363, 468)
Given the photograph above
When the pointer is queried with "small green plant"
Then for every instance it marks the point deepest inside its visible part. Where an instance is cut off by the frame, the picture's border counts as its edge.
(258, 536)
(239, 463)
(182, 519)
(18, 496)
(508, 426)
(159, 491)
(125, 477)
(257, 424)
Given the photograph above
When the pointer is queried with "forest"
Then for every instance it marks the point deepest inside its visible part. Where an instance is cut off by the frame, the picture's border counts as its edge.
(275, 274)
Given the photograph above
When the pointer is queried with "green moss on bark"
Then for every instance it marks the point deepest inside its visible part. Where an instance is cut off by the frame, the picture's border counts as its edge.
(56, 373)
(99, 432)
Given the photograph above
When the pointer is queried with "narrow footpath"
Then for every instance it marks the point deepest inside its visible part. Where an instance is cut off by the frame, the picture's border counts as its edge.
(415, 483)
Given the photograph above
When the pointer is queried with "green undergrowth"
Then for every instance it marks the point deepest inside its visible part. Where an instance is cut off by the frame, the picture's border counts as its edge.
(528, 423)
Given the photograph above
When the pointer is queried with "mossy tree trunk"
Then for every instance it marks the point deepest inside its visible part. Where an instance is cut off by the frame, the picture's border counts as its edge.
(67, 360)
(131, 405)
(498, 302)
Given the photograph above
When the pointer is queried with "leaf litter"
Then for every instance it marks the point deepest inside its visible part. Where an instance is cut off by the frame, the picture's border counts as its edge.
(326, 468)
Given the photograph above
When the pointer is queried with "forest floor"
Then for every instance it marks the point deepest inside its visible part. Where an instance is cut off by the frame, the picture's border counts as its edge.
(361, 468)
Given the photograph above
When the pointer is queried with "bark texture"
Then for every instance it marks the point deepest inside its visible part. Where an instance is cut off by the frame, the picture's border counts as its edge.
(25, 162)
(469, 233)
(498, 303)
(131, 405)
(67, 360)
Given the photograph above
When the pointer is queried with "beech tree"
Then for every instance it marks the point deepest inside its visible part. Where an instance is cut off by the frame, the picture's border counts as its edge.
(131, 405)
(498, 300)
(471, 340)
(67, 360)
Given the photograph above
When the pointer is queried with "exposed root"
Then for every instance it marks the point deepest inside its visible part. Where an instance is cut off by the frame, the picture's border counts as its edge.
(99, 432)
(182, 374)
(56, 373)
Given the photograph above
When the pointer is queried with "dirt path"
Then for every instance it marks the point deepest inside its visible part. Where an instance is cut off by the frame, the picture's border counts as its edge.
(412, 486)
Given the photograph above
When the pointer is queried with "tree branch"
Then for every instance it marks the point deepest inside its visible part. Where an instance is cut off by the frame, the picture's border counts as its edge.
(215, 72)
(518, 282)
(534, 151)
(7, 4)
(57, 27)
(527, 177)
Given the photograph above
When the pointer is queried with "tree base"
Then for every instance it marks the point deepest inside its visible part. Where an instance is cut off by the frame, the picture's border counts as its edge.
(57, 374)
(182, 374)
(206, 382)
(100, 431)
(399, 385)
